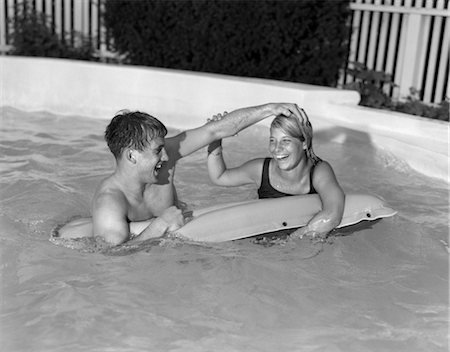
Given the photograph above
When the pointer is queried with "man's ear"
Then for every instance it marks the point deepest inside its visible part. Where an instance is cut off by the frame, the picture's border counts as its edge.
(130, 155)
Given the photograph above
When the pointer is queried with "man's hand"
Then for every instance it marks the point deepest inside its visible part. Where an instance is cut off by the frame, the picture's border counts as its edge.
(286, 109)
(170, 220)
(173, 218)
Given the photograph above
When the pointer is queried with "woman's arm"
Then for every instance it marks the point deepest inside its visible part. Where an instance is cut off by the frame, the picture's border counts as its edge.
(216, 164)
(333, 199)
(247, 173)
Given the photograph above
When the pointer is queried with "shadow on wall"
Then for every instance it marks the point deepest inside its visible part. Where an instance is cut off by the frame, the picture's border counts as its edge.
(343, 135)
(351, 153)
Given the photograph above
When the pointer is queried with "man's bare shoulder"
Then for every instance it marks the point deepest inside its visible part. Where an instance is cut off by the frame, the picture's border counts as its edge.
(108, 192)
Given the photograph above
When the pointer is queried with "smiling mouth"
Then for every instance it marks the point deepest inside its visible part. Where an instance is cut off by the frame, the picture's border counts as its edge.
(281, 157)
(158, 167)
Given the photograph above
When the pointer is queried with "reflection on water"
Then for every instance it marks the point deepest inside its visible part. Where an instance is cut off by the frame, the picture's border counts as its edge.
(378, 286)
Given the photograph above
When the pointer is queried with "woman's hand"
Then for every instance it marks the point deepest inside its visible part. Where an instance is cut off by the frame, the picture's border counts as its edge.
(216, 145)
(306, 231)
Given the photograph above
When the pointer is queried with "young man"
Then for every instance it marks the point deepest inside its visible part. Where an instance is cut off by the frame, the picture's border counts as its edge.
(141, 187)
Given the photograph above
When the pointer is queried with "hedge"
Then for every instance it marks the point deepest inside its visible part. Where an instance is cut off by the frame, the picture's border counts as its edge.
(31, 34)
(300, 41)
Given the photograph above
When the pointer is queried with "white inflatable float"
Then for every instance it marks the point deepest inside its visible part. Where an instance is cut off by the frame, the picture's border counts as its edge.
(235, 221)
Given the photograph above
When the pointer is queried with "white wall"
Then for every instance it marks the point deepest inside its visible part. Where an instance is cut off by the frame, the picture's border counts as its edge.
(185, 99)
(100, 90)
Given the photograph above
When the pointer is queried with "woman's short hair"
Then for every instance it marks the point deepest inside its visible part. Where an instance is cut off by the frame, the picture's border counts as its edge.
(298, 128)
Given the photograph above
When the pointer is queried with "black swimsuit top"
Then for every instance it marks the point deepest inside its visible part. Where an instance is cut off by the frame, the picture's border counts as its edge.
(267, 191)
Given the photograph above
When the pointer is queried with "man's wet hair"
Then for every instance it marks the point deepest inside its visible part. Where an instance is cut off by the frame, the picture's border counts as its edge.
(132, 129)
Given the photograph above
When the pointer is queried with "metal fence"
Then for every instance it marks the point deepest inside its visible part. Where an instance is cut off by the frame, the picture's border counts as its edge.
(67, 19)
(408, 39)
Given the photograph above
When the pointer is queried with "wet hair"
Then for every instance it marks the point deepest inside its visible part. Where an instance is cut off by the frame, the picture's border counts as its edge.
(132, 129)
(298, 128)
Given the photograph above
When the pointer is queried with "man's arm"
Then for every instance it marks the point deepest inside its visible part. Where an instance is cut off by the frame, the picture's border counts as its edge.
(109, 218)
(170, 220)
(190, 141)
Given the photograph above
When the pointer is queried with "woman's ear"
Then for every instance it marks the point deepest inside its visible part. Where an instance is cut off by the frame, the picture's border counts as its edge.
(305, 146)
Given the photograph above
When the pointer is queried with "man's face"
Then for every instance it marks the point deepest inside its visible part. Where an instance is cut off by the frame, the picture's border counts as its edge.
(151, 159)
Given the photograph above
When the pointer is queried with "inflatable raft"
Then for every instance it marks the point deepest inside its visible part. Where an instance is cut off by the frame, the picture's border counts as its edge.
(235, 221)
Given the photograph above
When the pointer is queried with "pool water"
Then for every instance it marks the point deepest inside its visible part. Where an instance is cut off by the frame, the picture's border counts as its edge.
(380, 286)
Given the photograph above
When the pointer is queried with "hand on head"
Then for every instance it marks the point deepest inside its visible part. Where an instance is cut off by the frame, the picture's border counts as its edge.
(288, 110)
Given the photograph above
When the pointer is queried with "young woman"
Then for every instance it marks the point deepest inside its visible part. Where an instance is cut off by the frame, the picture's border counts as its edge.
(292, 169)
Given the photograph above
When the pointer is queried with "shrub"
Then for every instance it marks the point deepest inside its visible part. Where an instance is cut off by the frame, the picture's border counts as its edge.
(370, 84)
(414, 106)
(32, 35)
(301, 41)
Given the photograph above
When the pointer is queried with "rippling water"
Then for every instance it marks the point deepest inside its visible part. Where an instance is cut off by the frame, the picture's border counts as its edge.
(379, 286)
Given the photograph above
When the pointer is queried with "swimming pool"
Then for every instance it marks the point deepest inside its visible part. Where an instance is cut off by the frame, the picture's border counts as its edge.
(377, 287)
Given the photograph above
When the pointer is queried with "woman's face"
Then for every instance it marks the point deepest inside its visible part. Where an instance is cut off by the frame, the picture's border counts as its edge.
(286, 150)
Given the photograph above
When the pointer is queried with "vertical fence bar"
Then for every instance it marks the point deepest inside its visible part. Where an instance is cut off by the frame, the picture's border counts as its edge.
(85, 15)
(57, 8)
(447, 90)
(100, 24)
(363, 37)
(394, 47)
(39, 6)
(373, 38)
(441, 57)
(68, 21)
(408, 54)
(95, 23)
(104, 38)
(382, 41)
(53, 15)
(72, 22)
(431, 67)
(392, 35)
(421, 50)
(90, 21)
(62, 16)
(342, 78)
(3, 28)
(427, 46)
(9, 15)
(443, 64)
(354, 39)
(78, 18)
(388, 38)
